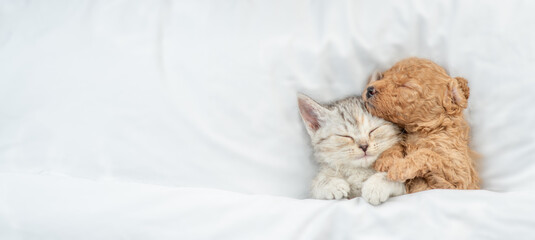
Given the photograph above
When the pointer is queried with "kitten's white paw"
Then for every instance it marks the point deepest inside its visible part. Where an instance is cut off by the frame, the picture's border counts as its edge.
(374, 194)
(377, 189)
(335, 188)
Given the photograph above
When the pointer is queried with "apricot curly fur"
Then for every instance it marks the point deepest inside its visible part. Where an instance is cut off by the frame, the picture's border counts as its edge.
(420, 97)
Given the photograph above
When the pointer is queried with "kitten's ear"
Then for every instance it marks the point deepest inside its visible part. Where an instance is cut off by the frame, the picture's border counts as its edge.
(311, 112)
(376, 75)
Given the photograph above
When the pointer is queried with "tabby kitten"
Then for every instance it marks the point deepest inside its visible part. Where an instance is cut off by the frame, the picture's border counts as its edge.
(347, 140)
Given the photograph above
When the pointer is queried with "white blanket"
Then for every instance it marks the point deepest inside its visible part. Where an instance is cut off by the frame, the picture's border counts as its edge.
(178, 119)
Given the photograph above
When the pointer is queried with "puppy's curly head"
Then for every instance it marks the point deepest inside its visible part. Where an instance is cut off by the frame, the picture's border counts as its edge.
(416, 91)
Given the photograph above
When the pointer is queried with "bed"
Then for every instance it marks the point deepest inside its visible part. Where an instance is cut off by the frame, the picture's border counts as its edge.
(178, 119)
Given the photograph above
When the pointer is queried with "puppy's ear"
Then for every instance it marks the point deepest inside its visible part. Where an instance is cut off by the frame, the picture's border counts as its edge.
(376, 75)
(463, 86)
(457, 95)
(311, 112)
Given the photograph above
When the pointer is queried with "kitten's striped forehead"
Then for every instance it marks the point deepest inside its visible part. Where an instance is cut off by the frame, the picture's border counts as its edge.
(351, 110)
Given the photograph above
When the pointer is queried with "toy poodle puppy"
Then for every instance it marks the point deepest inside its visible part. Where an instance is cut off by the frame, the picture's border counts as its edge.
(420, 97)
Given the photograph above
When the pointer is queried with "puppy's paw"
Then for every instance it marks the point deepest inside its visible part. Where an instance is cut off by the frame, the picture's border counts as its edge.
(383, 164)
(377, 189)
(335, 188)
(402, 173)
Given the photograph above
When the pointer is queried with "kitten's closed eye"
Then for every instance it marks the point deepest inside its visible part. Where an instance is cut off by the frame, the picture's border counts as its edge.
(381, 132)
(346, 137)
(373, 130)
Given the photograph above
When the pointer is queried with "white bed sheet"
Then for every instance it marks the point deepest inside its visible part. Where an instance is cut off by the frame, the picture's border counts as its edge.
(86, 209)
(144, 106)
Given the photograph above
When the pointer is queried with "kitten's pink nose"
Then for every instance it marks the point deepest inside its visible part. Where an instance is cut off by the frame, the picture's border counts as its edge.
(364, 147)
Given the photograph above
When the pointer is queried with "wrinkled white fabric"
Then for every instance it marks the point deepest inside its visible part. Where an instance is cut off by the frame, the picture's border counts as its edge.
(142, 107)
(57, 207)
